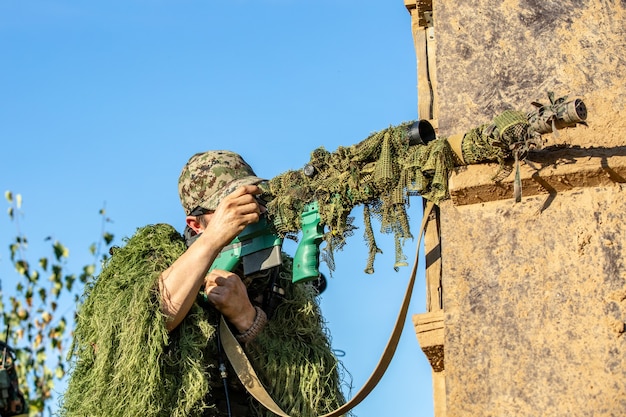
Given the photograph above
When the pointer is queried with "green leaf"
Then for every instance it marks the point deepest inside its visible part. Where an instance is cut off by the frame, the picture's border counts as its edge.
(69, 281)
(35, 406)
(56, 288)
(29, 295)
(56, 273)
(88, 272)
(60, 251)
(14, 247)
(42, 295)
(108, 238)
(89, 269)
(59, 372)
(46, 317)
(62, 325)
(41, 355)
(22, 267)
(43, 262)
(9, 196)
(34, 277)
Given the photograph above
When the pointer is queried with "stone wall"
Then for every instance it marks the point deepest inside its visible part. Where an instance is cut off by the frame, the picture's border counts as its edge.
(494, 55)
(534, 293)
(535, 305)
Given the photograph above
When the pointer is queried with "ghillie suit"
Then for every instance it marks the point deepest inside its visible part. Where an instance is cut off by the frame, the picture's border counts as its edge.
(125, 363)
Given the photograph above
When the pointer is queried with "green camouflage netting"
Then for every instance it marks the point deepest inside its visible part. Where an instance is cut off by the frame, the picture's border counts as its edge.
(381, 173)
(492, 141)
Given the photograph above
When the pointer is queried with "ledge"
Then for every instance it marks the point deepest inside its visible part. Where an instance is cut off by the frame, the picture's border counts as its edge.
(429, 328)
(549, 171)
(421, 6)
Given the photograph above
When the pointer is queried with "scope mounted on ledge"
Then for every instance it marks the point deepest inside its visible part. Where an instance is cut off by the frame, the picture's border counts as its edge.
(557, 115)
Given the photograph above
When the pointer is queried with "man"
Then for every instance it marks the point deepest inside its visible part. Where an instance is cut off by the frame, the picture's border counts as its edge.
(234, 185)
(147, 344)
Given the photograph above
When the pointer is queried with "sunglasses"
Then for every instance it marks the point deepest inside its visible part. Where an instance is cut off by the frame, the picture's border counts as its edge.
(199, 211)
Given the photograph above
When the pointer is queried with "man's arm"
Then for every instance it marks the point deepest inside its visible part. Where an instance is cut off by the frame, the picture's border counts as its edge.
(180, 283)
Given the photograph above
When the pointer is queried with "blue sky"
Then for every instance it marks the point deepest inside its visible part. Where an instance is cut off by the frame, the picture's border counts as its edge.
(102, 103)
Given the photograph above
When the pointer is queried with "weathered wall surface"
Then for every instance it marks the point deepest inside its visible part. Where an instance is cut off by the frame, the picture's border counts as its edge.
(500, 54)
(535, 305)
(535, 292)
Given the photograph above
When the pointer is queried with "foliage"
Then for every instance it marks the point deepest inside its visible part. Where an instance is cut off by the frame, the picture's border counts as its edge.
(39, 328)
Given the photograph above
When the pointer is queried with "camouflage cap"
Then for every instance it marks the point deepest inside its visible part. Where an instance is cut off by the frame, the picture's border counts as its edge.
(210, 176)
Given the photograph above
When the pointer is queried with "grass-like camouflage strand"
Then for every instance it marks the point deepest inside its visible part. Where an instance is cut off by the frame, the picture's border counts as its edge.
(125, 363)
(381, 173)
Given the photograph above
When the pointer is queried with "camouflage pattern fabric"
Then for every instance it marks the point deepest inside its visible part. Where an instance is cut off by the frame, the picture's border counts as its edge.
(381, 172)
(210, 176)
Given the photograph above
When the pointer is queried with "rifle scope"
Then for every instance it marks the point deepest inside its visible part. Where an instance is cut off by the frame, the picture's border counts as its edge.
(558, 115)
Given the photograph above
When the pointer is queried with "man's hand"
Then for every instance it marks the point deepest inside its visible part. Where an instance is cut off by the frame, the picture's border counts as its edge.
(228, 294)
(180, 283)
(233, 214)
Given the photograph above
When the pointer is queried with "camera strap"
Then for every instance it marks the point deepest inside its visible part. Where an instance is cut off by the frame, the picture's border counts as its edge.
(250, 380)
